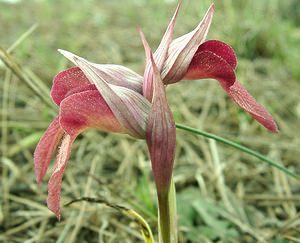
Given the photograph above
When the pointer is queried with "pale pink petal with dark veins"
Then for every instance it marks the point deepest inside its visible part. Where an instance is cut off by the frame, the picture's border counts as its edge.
(183, 49)
(160, 55)
(114, 74)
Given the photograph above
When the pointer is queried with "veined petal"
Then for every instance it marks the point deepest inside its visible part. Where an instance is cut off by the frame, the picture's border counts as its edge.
(114, 74)
(120, 76)
(54, 184)
(241, 96)
(220, 49)
(67, 80)
(160, 55)
(161, 52)
(85, 110)
(148, 73)
(183, 49)
(207, 64)
(161, 133)
(45, 149)
(215, 59)
(130, 108)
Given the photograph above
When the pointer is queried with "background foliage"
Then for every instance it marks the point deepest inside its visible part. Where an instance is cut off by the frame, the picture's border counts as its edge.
(223, 195)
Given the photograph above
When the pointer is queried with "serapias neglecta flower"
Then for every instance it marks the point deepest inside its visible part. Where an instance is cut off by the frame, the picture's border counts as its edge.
(119, 108)
(106, 97)
(113, 98)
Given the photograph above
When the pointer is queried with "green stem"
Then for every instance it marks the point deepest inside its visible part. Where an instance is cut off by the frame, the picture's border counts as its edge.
(164, 217)
(173, 212)
(167, 215)
(239, 147)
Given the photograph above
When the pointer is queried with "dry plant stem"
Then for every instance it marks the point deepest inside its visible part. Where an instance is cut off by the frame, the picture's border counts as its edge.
(21, 74)
(144, 227)
(22, 38)
(239, 147)
(4, 142)
(79, 218)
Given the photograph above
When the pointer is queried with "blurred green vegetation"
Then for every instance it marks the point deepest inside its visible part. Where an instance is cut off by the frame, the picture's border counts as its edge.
(226, 198)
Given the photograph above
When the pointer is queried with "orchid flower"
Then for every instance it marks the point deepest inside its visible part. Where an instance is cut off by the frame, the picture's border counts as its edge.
(113, 98)
(190, 57)
(120, 108)
(106, 97)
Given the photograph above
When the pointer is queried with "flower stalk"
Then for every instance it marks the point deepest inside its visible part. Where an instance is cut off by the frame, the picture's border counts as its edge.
(164, 217)
(167, 213)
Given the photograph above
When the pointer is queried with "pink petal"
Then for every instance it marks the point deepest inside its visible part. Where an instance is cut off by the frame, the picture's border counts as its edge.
(161, 52)
(220, 49)
(45, 149)
(211, 61)
(241, 96)
(82, 88)
(130, 108)
(65, 81)
(85, 110)
(114, 74)
(120, 76)
(148, 73)
(207, 64)
(160, 55)
(54, 184)
(183, 49)
(161, 133)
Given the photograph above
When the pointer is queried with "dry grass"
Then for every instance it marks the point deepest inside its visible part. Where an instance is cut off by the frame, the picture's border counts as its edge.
(223, 194)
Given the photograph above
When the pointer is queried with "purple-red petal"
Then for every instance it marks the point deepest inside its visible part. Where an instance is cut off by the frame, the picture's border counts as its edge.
(54, 184)
(45, 149)
(221, 49)
(211, 62)
(206, 64)
(65, 81)
(85, 110)
(242, 97)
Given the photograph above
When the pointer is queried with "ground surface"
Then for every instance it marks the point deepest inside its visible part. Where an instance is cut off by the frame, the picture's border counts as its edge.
(224, 195)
